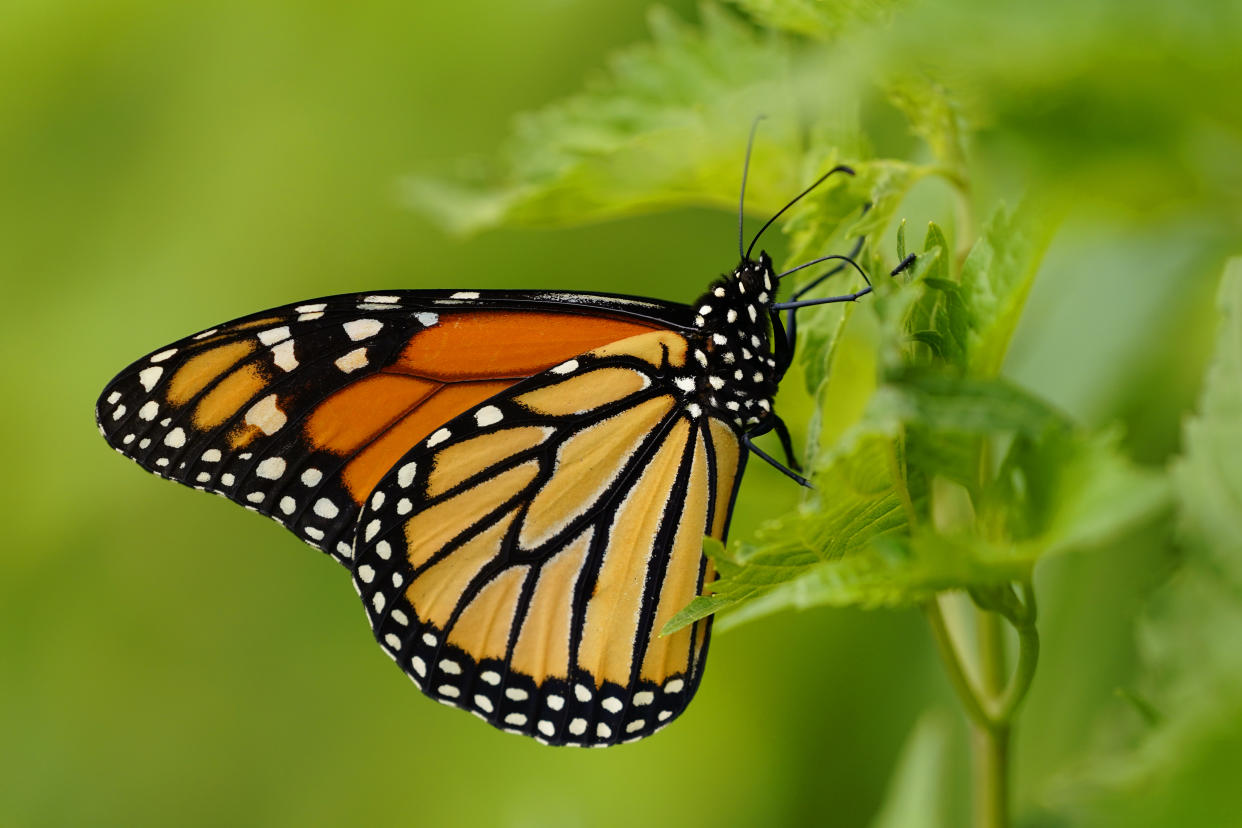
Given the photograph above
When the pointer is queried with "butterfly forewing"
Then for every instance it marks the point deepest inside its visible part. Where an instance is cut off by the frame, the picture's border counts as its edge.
(520, 561)
(297, 412)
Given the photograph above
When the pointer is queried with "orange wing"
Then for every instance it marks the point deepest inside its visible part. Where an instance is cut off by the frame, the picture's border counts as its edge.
(299, 411)
(520, 561)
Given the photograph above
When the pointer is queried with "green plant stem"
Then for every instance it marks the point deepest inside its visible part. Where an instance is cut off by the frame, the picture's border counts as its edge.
(991, 776)
(991, 740)
(952, 659)
(993, 700)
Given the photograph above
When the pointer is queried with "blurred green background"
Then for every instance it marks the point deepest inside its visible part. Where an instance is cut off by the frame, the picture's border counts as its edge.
(171, 659)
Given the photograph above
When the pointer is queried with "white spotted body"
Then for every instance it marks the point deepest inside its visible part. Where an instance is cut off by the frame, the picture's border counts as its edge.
(739, 373)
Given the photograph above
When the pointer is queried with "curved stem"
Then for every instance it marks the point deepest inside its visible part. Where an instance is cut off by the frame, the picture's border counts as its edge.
(992, 702)
(1028, 657)
(970, 697)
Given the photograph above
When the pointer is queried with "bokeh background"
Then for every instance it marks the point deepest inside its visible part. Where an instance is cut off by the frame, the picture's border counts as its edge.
(167, 658)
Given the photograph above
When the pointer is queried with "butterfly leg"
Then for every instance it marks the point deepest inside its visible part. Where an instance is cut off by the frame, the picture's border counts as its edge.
(774, 463)
(782, 433)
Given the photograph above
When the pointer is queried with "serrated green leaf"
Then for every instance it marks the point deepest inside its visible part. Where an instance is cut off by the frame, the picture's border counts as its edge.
(1181, 771)
(816, 18)
(667, 126)
(935, 117)
(1209, 475)
(996, 279)
(935, 241)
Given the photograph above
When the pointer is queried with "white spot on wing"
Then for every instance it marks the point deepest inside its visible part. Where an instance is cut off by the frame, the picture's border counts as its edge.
(175, 438)
(352, 361)
(163, 355)
(362, 328)
(149, 410)
(406, 476)
(266, 416)
(326, 508)
(438, 437)
(427, 319)
(465, 294)
(311, 477)
(149, 376)
(274, 335)
(283, 356)
(487, 415)
(271, 468)
(567, 367)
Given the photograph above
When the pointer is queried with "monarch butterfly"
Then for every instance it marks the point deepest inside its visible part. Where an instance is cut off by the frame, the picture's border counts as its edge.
(519, 481)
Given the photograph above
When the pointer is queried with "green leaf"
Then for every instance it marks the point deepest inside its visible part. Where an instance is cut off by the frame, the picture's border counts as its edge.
(918, 793)
(996, 279)
(1182, 771)
(667, 126)
(816, 18)
(906, 502)
(1209, 475)
(935, 117)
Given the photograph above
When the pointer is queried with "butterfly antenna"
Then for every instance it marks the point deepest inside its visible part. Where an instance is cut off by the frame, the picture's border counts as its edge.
(741, 202)
(796, 199)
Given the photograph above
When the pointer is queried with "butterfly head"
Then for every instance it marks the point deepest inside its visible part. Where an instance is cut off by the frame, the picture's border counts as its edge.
(734, 343)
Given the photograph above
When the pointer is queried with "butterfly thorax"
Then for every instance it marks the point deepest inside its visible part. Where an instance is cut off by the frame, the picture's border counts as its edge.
(738, 373)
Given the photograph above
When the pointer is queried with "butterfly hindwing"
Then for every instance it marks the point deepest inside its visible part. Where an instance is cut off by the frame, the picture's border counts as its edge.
(520, 561)
(297, 412)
